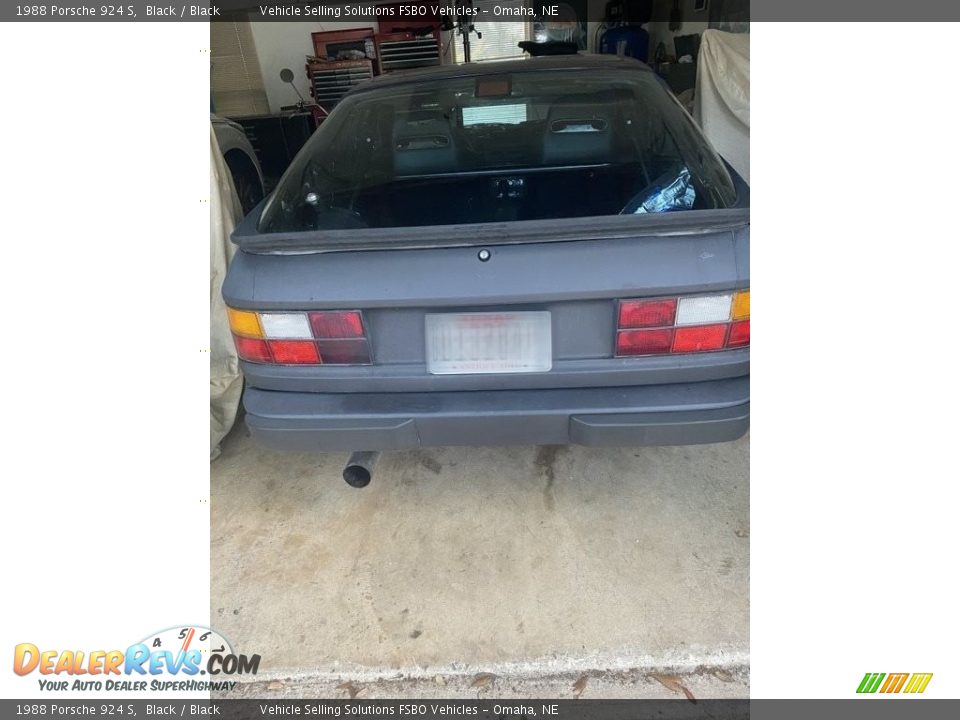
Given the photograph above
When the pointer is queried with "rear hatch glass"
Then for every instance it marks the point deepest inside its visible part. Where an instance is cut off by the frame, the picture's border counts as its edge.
(532, 145)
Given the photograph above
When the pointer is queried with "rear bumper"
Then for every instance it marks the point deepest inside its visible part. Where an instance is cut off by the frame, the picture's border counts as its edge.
(676, 414)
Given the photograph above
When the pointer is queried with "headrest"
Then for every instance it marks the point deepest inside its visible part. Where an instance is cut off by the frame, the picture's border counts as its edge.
(423, 144)
(578, 133)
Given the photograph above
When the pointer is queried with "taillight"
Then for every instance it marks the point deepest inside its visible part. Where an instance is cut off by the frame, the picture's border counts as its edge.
(344, 352)
(703, 309)
(741, 306)
(699, 338)
(300, 338)
(252, 349)
(739, 334)
(294, 352)
(336, 325)
(644, 342)
(695, 323)
(647, 313)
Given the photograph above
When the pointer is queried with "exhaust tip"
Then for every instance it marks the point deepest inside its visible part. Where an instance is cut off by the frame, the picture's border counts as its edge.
(356, 476)
(359, 468)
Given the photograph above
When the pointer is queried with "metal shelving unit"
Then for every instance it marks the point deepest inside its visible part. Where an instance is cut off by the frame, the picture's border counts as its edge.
(331, 80)
(399, 51)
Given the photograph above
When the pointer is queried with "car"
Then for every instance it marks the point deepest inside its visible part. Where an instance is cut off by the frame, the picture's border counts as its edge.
(542, 251)
(241, 160)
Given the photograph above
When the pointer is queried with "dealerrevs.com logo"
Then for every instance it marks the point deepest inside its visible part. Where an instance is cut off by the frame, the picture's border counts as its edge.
(182, 659)
(910, 683)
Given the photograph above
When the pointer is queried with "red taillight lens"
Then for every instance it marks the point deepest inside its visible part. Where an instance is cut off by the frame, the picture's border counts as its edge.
(252, 350)
(686, 324)
(699, 338)
(294, 352)
(335, 337)
(336, 325)
(647, 313)
(644, 342)
(739, 334)
(344, 352)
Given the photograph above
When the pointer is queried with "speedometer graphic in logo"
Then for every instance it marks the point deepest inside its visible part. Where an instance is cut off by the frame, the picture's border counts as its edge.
(182, 639)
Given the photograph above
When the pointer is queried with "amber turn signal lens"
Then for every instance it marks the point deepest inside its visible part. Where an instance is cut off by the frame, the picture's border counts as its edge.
(244, 323)
(741, 306)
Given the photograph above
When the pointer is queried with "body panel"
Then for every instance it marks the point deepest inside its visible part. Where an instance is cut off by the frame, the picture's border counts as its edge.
(680, 414)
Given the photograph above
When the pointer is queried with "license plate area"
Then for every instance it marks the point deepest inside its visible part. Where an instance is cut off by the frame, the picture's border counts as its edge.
(493, 342)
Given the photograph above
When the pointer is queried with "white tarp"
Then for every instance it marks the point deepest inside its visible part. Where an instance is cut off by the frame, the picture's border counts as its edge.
(722, 105)
(226, 383)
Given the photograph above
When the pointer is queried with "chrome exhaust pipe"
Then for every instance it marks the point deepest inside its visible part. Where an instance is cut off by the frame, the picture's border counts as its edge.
(359, 468)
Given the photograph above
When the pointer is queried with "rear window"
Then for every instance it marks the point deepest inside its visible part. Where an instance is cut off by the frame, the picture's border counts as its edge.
(498, 148)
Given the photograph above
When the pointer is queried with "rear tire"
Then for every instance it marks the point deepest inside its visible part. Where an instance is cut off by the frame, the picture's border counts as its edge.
(245, 180)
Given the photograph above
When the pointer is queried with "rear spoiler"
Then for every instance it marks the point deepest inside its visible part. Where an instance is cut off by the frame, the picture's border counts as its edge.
(687, 222)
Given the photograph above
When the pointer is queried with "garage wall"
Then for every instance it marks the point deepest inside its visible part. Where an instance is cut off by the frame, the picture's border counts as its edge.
(286, 45)
(595, 10)
(694, 23)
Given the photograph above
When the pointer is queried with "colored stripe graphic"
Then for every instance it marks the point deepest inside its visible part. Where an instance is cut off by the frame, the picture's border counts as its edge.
(894, 682)
(918, 683)
(870, 682)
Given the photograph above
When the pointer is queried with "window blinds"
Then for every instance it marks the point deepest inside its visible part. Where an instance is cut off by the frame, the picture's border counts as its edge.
(235, 79)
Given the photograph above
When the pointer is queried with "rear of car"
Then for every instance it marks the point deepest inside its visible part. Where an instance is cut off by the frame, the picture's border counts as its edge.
(536, 252)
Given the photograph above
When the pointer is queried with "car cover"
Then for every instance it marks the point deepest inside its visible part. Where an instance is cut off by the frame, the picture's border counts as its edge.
(226, 382)
(722, 104)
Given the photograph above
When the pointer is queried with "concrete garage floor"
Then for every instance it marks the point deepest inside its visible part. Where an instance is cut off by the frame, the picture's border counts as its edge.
(540, 565)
